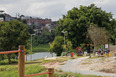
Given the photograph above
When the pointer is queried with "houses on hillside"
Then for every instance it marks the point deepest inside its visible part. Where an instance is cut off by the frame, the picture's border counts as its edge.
(39, 23)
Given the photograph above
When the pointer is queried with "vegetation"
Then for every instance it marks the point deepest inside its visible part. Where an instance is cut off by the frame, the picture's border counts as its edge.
(56, 46)
(113, 32)
(67, 46)
(44, 38)
(12, 70)
(41, 48)
(78, 20)
(5, 61)
(99, 36)
(12, 34)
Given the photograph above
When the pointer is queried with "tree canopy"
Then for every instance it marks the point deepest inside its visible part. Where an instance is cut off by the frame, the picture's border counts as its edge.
(56, 45)
(77, 20)
(99, 36)
(44, 38)
(12, 34)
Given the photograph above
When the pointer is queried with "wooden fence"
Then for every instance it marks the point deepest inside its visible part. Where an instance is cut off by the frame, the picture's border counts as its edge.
(21, 63)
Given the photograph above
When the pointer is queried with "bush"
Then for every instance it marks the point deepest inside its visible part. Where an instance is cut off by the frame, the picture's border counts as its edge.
(64, 53)
(56, 45)
(5, 61)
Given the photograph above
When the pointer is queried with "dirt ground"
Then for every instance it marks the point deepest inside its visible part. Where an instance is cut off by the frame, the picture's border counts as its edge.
(103, 64)
(55, 65)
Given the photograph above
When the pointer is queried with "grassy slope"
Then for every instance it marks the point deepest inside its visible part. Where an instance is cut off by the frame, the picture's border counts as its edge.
(41, 48)
(35, 67)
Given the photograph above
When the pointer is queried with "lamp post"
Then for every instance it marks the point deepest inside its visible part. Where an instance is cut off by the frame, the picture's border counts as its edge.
(64, 35)
(31, 46)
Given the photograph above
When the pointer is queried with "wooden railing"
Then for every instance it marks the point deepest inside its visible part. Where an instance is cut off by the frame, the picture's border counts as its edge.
(21, 63)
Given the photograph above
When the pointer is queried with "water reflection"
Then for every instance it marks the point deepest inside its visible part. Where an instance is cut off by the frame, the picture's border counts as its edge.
(39, 55)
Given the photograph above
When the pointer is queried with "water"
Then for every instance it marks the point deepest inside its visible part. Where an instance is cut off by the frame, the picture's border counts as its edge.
(39, 55)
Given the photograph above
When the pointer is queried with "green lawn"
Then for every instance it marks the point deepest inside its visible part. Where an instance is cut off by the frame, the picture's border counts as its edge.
(5, 61)
(41, 48)
(35, 67)
(12, 71)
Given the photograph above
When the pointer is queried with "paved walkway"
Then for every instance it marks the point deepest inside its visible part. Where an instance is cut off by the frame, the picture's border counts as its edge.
(74, 66)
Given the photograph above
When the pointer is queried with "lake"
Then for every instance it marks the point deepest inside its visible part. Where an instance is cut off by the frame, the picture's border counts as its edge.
(39, 55)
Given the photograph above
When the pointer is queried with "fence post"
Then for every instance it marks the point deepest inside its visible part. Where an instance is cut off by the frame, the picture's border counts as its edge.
(21, 61)
(51, 70)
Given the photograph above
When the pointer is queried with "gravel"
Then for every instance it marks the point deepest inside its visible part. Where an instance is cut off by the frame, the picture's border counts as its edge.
(74, 66)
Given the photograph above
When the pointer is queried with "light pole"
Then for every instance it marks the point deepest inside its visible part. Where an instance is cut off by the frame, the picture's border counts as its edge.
(64, 35)
(31, 46)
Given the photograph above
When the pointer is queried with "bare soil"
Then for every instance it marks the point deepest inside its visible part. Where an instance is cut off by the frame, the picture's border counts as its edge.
(98, 64)
(103, 64)
(55, 65)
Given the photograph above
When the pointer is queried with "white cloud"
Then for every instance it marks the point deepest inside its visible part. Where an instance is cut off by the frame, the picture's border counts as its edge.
(51, 8)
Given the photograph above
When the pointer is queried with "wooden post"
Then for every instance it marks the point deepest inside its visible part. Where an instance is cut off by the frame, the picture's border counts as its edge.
(21, 61)
(51, 70)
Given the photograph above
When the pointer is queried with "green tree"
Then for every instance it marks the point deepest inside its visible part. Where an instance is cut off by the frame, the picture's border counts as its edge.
(2, 15)
(113, 31)
(56, 45)
(77, 20)
(31, 29)
(12, 34)
(44, 38)
(67, 46)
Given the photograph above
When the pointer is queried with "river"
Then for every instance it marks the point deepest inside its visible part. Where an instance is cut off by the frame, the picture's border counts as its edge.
(39, 55)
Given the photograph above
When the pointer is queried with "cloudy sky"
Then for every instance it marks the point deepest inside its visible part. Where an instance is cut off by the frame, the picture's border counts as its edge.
(53, 9)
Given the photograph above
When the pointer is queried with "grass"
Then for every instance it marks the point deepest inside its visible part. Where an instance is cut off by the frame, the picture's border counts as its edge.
(41, 48)
(12, 71)
(5, 61)
(35, 67)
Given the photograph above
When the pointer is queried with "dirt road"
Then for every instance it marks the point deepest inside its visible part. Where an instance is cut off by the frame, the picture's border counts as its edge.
(75, 66)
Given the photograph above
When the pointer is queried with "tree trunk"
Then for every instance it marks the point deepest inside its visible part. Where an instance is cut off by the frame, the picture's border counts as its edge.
(9, 59)
(94, 51)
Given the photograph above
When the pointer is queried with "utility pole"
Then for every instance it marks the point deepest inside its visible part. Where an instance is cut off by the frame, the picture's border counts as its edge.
(31, 46)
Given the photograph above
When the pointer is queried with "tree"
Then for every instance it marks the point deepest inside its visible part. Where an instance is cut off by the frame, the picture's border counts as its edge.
(31, 29)
(12, 34)
(51, 47)
(67, 46)
(56, 45)
(99, 36)
(77, 20)
(44, 38)
(113, 31)
(2, 15)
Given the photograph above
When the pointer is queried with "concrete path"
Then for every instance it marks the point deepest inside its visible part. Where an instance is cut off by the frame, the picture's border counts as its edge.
(74, 66)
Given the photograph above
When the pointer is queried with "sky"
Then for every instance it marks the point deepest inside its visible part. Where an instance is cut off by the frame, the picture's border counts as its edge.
(53, 9)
